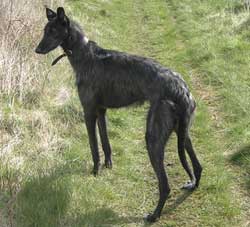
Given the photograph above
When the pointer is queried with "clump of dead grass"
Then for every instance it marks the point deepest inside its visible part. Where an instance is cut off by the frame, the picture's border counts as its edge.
(22, 79)
(21, 72)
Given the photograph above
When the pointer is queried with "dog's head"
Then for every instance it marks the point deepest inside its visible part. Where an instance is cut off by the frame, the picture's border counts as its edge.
(55, 32)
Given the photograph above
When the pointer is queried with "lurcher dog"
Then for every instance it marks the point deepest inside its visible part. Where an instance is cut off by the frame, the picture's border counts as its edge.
(112, 79)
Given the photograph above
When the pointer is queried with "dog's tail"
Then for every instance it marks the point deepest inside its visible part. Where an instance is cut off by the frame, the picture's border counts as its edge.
(182, 131)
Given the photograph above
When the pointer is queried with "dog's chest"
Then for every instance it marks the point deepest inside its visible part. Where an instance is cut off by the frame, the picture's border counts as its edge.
(108, 95)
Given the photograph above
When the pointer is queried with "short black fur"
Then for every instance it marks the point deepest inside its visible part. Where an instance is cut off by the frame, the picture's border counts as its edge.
(112, 79)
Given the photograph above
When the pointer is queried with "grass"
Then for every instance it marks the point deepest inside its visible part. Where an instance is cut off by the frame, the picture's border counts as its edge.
(45, 162)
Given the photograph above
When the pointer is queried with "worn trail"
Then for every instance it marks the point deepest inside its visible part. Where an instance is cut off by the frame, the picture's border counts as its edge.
(156, 37)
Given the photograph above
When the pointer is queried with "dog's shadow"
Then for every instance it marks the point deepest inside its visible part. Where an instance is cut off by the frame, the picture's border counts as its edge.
(103, 217)
(44, 201)
(171, 207)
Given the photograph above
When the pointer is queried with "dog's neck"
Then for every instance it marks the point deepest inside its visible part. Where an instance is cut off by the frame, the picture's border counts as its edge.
(74, 41)
(73, 45)
(77, 48)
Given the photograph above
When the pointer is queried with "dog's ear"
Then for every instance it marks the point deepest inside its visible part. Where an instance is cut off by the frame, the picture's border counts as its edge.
(60, 13)
(61, 16)
(50, 14)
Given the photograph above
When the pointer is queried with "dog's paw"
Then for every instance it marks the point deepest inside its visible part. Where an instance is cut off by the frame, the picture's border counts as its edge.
(108, 164)
(95, 170)
(189, 186)
(150, 218)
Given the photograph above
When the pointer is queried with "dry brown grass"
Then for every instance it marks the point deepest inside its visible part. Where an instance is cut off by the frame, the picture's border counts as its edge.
(20, 71)
(22, 78)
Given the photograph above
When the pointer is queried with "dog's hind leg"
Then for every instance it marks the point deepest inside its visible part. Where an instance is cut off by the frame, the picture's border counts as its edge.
(104, 137)
(90, 120)
(195, 162)
(184, 142)
(160, 124)
(182, 133)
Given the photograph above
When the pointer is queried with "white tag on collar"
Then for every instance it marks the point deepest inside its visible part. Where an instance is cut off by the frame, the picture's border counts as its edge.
(85, 39)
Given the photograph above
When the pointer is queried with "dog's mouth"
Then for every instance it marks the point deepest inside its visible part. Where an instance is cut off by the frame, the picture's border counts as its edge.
(38, 50)
(44, 48)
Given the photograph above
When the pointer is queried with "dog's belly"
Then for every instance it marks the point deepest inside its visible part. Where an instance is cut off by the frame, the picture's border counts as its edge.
(114, 100)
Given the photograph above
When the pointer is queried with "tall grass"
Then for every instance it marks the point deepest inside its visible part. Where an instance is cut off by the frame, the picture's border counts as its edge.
(21, 72)
(22, 78)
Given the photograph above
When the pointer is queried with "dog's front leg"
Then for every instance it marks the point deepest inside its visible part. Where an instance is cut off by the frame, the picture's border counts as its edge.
(104, 137)
(90, 120)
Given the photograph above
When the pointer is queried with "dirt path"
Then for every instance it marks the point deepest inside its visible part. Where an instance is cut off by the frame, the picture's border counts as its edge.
(207, 95)
(211, 98)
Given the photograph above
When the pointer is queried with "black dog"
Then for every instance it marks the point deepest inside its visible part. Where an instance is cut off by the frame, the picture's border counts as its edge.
(112, 79)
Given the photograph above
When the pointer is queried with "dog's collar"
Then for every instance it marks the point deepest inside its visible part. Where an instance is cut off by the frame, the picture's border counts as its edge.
(68, 52)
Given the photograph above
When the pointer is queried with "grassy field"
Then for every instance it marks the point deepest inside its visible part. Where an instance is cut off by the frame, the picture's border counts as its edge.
(45, 160)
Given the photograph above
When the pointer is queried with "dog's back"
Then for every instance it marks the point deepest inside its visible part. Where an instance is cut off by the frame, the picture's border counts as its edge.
(120, 79)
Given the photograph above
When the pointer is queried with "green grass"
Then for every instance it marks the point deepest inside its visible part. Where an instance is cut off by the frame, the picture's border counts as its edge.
(54, 187)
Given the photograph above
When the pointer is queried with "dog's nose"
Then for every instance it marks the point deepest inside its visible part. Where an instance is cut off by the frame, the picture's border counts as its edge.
(38, 50)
